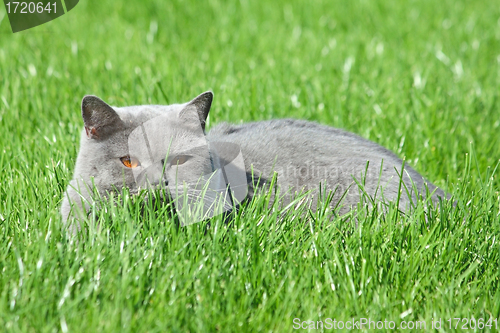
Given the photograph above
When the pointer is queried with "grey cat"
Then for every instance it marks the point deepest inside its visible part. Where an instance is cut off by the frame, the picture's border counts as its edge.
(150, 145)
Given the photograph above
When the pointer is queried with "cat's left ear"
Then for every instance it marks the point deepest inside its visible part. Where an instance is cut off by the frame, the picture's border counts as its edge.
(99, 118)
(201, 105)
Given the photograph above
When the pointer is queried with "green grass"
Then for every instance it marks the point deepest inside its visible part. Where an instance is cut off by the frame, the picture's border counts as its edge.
(421, 78)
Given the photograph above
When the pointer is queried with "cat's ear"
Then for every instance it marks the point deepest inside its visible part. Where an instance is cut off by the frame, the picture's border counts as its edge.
(201, 105)
(99, 118)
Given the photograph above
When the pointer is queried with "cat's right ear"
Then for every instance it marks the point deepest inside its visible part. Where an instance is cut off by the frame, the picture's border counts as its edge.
(99, 118)
(201, 106)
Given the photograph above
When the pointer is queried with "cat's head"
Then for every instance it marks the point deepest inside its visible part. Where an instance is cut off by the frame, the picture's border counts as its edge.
(139, 146)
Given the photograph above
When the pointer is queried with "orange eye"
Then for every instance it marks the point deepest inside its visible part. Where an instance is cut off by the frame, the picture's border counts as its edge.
(181, 159)
(130, 162)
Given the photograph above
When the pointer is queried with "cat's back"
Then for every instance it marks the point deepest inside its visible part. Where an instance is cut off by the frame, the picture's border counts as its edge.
(298, 137)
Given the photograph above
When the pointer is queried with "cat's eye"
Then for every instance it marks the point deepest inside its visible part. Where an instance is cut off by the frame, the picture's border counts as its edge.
(130, 162)
(180, 159)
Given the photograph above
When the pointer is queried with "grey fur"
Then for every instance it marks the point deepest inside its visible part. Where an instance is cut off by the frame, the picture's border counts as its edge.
(304, 154)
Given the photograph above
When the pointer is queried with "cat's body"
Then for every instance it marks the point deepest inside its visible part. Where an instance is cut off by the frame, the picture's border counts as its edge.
(303, 154)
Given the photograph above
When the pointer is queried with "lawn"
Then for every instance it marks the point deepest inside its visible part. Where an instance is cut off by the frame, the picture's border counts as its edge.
(419, 77)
